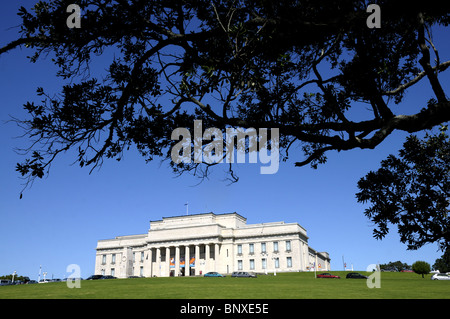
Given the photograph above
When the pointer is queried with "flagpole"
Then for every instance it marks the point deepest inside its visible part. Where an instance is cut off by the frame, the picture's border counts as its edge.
(187, 208)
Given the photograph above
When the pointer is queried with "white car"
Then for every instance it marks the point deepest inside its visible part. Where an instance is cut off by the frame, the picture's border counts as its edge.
(440, 277)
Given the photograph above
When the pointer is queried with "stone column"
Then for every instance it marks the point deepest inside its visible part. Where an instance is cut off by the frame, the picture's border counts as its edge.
(177, 260)
(148, 264)
(197, 260)
(187, 259)
(158, 262)
(216, 257)
(207, 253)
(167, 261)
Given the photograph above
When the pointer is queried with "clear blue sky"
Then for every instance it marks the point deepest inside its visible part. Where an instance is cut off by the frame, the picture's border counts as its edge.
(60, 219)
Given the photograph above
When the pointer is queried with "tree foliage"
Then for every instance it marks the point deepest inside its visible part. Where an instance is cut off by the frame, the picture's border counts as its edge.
(412, 191)
(421, 267)
(300, 66)
(395, 265)
(443, 264)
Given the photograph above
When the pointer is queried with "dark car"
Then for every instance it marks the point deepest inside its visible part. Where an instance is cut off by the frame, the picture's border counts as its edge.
(94, 277)
(327, 275)
(355, 275)
(107, 277)
(243, 274)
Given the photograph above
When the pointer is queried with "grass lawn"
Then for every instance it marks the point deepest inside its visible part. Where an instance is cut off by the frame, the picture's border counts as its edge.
(282, 286)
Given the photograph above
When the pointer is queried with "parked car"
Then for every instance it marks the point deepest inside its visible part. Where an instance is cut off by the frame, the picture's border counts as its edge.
(440, 277)
(107, 277)
(243, 274)
(355, 275)
(70, 279)
(327, 275)
(213, 274)
(5, 282)
(94, 277)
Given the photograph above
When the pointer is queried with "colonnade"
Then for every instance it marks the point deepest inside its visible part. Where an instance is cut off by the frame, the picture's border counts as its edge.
(164, 261)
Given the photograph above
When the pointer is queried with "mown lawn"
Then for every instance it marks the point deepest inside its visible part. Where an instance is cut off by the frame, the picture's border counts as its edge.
(282, 286)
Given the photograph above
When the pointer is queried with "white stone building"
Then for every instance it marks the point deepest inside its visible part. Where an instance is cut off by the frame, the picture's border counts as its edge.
(210, 242)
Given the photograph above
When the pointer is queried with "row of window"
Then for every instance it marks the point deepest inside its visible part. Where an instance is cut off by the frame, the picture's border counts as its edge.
(239, 262)
(251, 247)
(113, 272)
(113, 258)
(264, 263)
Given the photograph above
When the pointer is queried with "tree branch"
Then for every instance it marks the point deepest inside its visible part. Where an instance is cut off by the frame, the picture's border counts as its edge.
(439, 68)
(425, 62)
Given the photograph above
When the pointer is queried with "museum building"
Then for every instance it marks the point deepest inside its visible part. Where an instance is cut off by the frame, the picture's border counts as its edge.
(193, 245)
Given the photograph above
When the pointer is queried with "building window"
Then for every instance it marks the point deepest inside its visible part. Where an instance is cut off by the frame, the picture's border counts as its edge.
(275, 246)
(134, 256)
(239, 247)
(113, 259)
(289, 262)
(113, 272)
(103, 259)
(263, 248)
(141, 271)
(142, 256)
(264, 263)
(251, 248)
(252, 264)
(239, 264)
(288, 245)
(102, 272)
(277, 262)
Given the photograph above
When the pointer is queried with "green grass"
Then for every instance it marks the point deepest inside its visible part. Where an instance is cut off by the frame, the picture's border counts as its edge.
(282, 286)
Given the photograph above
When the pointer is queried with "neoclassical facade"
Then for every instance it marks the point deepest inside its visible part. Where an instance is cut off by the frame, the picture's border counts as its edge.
(193, 245)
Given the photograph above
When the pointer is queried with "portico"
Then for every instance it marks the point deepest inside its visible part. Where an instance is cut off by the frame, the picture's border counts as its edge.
(181, 260)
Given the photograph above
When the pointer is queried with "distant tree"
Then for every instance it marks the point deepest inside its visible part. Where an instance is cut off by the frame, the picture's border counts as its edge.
(412, 191)
(304, 67)
(421, 268)
(16, 277)
(396, 265)
(443, 264)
